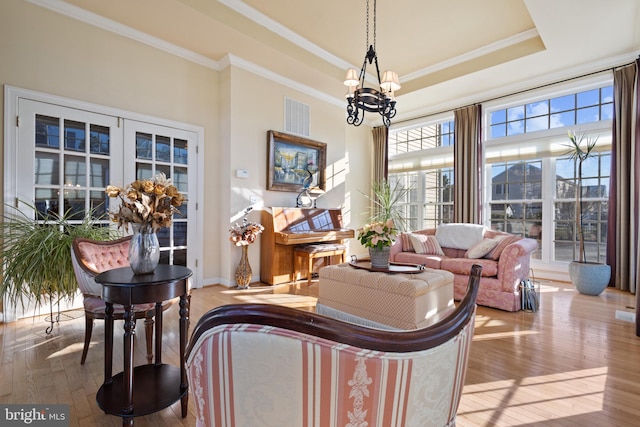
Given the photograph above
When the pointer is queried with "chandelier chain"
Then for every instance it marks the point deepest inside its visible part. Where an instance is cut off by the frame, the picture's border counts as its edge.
(367, 44)
(374, 24)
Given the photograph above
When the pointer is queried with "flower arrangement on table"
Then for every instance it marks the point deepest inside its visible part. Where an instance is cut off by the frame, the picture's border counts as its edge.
(378, 235)
(245, 234)
(148, 202)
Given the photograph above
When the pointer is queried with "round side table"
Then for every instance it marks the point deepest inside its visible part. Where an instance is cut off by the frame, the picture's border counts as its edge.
(145, 389)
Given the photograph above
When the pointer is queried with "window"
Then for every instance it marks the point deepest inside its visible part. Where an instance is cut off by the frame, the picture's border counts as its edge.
(531, 181)
(421, 159)
(421, 138)
(516, 198)
(595, 193)
(568, 110)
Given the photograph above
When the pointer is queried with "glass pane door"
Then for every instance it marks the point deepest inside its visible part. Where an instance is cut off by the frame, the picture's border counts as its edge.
(159, 149)
(65, 159)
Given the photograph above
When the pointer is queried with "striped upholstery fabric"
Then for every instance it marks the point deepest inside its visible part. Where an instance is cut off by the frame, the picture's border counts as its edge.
(248, 375)
(425, 244)
(407, 246)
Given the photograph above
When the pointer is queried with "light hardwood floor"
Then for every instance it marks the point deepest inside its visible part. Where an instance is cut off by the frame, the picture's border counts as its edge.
(569, 364)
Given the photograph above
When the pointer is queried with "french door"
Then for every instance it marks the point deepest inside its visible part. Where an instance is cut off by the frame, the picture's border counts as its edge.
(65, 157)
(158, 149)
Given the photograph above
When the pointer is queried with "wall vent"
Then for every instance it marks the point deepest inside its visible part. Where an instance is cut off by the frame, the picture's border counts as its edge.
(296, 117)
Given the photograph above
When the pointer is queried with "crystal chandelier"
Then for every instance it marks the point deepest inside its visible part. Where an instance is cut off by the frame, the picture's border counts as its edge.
(361, 98)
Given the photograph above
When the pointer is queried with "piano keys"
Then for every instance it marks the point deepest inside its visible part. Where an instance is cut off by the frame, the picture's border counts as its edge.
(284, 228)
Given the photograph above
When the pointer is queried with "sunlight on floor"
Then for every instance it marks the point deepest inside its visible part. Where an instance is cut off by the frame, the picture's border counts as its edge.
(570, 393)
(284, 299)
(498, 335)
(73, 348)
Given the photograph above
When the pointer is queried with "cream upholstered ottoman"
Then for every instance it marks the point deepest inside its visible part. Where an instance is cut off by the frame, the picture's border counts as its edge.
(383, 300)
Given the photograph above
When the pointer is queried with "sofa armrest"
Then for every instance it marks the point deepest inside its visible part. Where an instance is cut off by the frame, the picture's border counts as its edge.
(396, 248)
(514, 262)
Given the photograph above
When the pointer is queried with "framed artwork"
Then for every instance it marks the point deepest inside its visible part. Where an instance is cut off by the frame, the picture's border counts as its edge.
(294, 162)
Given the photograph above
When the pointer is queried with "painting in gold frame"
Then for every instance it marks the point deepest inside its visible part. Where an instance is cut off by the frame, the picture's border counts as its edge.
(295, 162)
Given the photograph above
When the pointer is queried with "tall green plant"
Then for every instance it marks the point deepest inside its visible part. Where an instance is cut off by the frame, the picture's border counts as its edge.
(36, 253)
(385, 202)
(579, 155)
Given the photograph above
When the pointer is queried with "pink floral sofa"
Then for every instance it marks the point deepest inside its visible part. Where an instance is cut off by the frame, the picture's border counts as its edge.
(253, 365)
(503, 267)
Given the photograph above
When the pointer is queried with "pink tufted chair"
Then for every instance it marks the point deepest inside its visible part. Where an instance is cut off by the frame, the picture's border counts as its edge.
(90, 258)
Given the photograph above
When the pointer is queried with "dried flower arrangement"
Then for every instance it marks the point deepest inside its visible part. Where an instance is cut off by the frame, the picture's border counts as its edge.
(246, 233)
(148, 202)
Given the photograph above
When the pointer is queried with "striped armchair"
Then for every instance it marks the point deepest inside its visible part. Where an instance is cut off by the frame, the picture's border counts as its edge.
(267, 365)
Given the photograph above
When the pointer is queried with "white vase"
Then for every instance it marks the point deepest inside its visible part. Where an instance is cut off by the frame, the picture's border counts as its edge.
(380, 257)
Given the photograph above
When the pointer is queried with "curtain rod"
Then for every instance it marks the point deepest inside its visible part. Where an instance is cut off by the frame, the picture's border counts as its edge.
(521, 91)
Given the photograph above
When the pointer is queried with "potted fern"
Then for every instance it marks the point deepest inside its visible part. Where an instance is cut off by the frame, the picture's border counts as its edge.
(36, 255)
(589, 278)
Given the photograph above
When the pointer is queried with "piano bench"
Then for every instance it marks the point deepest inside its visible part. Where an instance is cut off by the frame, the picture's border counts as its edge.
(304, 256)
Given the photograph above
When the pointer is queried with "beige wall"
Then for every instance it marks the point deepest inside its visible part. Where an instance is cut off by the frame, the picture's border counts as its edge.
(257, 105)
(47, 52)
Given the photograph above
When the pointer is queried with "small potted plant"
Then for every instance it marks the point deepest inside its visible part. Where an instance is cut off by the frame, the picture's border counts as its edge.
(589, 278)
(378, 238)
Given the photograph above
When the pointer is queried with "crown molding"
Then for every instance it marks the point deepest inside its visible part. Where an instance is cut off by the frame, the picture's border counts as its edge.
(275, 27)
(259, 18)
(476, 53)
(66, 9)
(258, 70)
(95, 20)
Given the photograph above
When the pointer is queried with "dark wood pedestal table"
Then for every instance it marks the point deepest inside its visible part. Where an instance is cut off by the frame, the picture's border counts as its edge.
(145, 389)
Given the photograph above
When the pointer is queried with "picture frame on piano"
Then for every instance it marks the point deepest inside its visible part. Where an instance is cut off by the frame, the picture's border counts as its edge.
(295, 163)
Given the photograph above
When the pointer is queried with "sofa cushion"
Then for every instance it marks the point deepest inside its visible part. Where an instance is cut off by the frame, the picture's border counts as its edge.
(425, 244)
(459, 236)
(481, 248)
(503, 242)
(463, 266)
(407, 246)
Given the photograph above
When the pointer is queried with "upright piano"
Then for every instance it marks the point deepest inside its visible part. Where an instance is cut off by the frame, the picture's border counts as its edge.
(284, 228)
